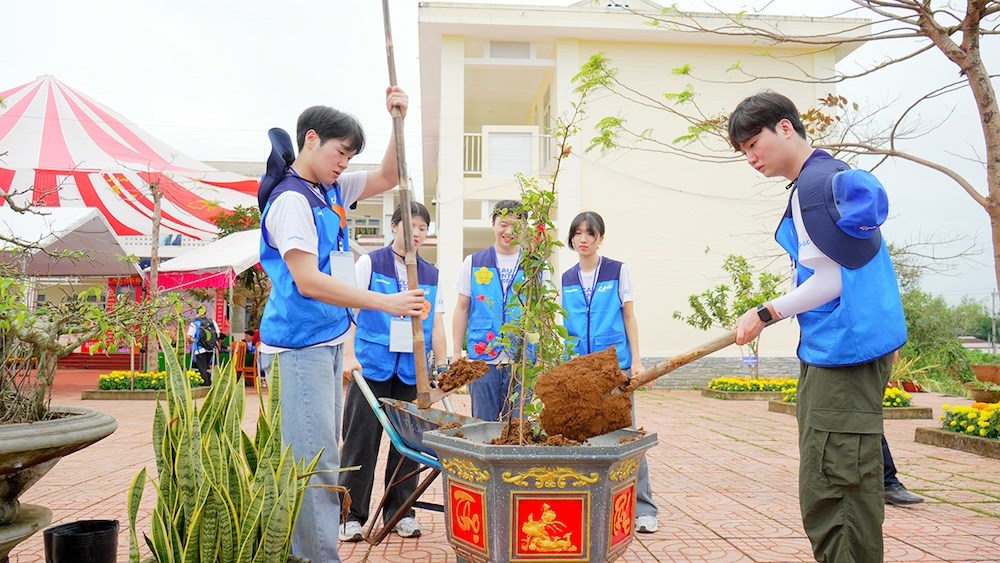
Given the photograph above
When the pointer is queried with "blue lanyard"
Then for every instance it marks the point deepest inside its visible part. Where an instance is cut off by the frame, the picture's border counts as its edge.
(337, 205)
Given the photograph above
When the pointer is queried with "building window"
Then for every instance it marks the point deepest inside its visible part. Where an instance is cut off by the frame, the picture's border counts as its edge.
(510, 50)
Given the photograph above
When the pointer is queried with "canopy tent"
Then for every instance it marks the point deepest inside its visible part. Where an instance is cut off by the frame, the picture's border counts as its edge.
(64, 149)
(214, 265)
(46, 232)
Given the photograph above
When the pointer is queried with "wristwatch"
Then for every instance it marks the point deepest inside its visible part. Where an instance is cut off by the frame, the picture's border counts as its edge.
(764, 313)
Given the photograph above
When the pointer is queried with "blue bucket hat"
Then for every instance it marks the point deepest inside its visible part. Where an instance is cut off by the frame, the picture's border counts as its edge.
(843, 218)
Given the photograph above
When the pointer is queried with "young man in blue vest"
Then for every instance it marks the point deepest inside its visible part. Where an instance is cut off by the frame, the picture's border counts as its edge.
(381, 350)
(305, 252)
(485, 288)
(849, 311)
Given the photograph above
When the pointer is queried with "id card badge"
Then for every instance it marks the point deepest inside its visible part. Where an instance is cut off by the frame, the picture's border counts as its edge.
(401, 335)
(342, 267)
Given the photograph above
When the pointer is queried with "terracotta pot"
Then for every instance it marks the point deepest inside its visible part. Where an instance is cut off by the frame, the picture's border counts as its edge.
(983, 396)
(911, 387)
(987, 374)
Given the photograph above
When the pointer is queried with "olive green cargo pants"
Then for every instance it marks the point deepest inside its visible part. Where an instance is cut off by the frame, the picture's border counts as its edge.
(840, 460)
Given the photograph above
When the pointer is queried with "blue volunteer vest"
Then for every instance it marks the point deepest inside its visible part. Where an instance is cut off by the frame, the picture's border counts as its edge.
(599, 323)
(371, 343)
(866, 322)
(488, 310)
(291, 320)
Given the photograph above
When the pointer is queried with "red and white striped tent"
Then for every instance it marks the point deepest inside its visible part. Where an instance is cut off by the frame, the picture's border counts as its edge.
(65, 149)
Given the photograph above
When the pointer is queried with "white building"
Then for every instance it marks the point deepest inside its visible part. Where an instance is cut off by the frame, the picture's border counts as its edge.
(493, 79)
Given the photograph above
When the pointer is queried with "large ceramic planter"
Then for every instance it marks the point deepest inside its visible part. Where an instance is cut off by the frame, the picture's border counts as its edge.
(538, 503)
(29, 451)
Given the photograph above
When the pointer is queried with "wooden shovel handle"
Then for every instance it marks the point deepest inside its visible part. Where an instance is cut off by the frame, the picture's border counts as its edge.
(670, 364)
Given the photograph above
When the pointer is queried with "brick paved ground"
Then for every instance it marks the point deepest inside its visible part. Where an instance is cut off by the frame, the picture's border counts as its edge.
(724, 475)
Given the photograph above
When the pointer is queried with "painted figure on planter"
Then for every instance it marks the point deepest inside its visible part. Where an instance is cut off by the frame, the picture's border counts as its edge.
(486, 286)
(381, 349)
(849, 311)
(600, 313)
(305, 252)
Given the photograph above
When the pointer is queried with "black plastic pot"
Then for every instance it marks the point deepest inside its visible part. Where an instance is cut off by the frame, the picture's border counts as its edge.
(85, 541)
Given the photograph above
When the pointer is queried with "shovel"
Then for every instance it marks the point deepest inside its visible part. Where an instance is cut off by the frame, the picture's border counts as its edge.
(579, 410)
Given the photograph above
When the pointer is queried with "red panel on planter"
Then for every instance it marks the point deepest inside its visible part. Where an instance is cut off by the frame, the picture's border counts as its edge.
(550, 526)
(467, 511)
(622, 521)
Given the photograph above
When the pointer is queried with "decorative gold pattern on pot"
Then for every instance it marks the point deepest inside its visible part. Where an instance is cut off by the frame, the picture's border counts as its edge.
(550, 478)
(624, 470)
(464, 469)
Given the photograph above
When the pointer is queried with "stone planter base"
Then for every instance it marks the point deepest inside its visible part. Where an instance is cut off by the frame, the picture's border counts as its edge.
(31, 519)
(945, 439)
(527, 504)
(142, 395)
(899, 413)
(742, 395)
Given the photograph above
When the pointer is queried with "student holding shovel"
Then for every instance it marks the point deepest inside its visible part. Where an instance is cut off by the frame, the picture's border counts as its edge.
(849, 311)
(597, 296)
(381, 349)
(304, 251)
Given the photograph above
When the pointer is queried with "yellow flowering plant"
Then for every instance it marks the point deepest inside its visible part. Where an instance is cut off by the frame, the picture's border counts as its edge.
(893, 398)
(121, 380)
(751, 385)
(979, 419)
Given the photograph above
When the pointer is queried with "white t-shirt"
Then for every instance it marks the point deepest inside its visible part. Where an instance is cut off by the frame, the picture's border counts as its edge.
(363, 268)
(624, 283)
(290, 225)
(506, 265)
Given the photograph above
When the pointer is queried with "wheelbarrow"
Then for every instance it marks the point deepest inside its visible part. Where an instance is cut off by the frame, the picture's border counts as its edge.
(405, 423)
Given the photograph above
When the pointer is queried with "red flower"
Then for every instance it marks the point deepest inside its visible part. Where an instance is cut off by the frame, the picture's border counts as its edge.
(493, 353)
(480, 298)
(541, 228)
(490, 336)
(480, 348)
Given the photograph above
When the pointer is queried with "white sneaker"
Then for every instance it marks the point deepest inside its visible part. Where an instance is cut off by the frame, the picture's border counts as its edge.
(350, 531)
(408, 528)
(646, 524)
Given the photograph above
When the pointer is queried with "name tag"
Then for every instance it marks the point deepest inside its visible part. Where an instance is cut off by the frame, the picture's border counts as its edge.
(401, 335)
(342, 267)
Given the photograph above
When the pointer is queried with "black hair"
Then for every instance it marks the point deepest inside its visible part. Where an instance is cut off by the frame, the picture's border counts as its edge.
(762, 110)
(249, 332)
(593, 221)
(503, 207)
(417, 209)
(329, 123)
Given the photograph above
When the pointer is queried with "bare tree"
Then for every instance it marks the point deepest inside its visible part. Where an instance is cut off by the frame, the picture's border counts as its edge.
(952, 29)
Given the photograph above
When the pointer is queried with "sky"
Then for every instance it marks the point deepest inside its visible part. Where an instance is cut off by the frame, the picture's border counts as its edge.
(210, 78)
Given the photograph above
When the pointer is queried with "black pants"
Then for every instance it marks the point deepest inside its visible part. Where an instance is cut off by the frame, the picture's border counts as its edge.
(362, 437)
(889, 472)
(203, 362)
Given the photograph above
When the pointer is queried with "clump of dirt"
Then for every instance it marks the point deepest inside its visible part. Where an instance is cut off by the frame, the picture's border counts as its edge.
(462, 372)
(576, 397)
(634, 437)
(512, 433)
(450, 425)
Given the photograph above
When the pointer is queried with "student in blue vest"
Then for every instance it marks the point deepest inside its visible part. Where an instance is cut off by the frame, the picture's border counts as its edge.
(600, 313)
(381, 348)
(305, 252)
(847, 302)
(485, 287)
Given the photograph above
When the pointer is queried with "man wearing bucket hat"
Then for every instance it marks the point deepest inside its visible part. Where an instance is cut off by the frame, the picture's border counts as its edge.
(849, 311)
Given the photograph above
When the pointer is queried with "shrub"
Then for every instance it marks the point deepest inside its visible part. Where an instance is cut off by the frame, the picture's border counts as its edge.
(980, 419)
(121, 380)
(895, 398)
(744, 384)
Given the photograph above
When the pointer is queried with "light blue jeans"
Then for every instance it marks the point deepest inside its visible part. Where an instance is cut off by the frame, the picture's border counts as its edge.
(311, 403)
(644, 505)
(489, 394)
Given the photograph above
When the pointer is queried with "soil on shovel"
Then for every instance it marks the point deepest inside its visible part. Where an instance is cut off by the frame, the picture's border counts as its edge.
(577, 401)
(461, 373)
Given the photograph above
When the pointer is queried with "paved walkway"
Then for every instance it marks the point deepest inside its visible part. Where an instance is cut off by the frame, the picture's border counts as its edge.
(724, 475)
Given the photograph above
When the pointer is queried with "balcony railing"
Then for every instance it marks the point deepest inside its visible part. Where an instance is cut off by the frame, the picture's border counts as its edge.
(474, 157)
